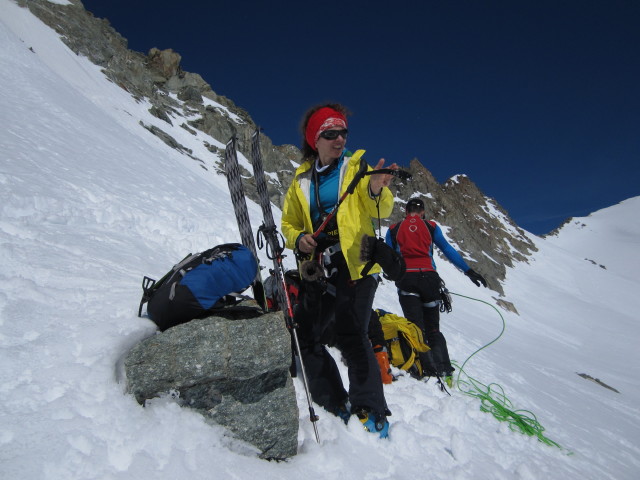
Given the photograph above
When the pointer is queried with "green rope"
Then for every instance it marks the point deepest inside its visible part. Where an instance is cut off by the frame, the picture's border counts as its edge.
(493, 399)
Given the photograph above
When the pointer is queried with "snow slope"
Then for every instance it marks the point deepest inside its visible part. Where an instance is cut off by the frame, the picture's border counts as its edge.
(90, 202)
(591, 237)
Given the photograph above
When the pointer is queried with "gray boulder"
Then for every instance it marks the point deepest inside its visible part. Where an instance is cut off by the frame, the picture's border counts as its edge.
(234, 370)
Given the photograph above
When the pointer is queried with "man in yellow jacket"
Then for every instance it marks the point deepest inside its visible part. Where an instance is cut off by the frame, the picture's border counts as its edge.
(339, 314)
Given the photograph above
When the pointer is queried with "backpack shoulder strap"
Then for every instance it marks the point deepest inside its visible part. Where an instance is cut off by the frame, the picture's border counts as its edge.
(150, 286)
(431, 225)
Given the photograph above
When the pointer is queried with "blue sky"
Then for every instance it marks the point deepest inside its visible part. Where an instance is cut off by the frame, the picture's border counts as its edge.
(538, 102)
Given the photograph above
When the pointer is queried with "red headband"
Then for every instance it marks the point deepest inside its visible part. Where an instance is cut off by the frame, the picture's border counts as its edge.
(321, 120)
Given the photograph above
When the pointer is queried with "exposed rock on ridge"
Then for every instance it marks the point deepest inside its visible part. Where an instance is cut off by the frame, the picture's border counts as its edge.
(154, 77)
(475, 223)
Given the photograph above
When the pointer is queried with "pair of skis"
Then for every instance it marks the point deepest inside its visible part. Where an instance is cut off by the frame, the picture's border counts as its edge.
(269, 237)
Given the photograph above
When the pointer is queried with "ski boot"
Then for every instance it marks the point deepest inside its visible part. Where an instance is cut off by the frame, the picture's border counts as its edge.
(374, 423)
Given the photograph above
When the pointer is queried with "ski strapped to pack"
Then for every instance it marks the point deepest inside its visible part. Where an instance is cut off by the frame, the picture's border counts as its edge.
(239, 202)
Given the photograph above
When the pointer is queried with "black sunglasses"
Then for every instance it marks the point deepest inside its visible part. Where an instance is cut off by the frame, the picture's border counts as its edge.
(333, 134)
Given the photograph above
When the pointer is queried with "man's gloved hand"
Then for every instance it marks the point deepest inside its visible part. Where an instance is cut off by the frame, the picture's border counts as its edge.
(374, 250)
(475, 277)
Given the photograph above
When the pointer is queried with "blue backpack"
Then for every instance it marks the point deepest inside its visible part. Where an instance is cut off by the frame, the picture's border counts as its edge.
(198, 285)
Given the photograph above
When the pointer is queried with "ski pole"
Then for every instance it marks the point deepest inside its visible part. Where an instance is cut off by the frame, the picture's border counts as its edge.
(285, 301)
(274, 249)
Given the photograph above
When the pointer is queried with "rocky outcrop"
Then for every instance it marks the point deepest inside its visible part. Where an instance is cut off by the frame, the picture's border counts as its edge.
(165, 62)
(476, 224)
(155, 77)
(233, 369)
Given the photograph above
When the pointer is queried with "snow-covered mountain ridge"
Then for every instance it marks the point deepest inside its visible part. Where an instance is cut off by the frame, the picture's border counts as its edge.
(90, 202)
(184, 101)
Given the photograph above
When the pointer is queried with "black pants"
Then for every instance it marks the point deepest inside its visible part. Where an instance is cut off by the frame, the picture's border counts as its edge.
(376, 334)
(417, 290)
(341, 320)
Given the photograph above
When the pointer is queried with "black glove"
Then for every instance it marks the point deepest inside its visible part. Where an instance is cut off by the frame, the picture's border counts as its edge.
(475, 277)
(373, 250)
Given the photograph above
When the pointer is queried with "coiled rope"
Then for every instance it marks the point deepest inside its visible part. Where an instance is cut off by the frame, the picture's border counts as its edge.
(492, 397)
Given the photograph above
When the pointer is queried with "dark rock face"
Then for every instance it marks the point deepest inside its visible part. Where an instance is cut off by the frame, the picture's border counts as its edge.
(476, 224)
(234, 370)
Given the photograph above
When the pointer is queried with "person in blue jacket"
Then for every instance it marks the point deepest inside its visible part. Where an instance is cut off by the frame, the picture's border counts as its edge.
(419, 288)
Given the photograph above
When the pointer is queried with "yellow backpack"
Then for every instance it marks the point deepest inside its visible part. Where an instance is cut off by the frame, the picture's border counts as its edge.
(404, 341)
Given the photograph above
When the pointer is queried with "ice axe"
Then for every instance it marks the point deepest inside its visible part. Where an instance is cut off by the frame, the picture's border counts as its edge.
(401, 174)
(310, 270)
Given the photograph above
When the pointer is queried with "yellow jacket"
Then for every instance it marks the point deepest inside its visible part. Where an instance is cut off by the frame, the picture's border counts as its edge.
(354, 216)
